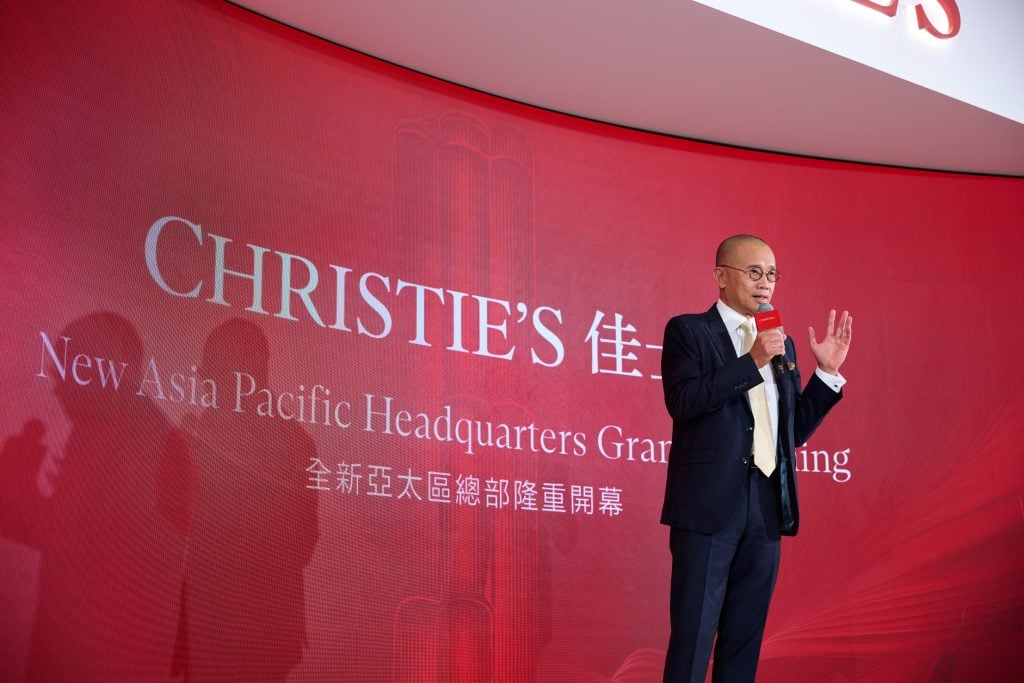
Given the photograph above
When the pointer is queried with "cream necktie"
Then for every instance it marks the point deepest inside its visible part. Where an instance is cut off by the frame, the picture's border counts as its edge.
(764, 445)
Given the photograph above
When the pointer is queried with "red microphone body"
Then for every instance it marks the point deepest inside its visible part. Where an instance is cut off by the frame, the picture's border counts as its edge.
(767, 318)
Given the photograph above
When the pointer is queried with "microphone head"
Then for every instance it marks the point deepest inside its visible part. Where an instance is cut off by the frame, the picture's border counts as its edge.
(764, 308)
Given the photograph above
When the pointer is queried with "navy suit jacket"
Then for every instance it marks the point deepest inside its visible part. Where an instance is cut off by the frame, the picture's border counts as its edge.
(713, 427)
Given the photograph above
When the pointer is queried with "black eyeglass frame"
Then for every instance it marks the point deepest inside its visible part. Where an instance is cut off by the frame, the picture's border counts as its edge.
(755, 273)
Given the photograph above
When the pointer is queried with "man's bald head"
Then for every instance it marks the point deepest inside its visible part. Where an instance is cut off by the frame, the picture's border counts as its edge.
(738, 260)
(729, 246)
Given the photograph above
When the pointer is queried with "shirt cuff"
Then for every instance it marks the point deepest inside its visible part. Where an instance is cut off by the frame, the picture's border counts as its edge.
(834, 382)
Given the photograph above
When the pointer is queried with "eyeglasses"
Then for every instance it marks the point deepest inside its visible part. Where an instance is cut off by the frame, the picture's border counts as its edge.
(755, 273)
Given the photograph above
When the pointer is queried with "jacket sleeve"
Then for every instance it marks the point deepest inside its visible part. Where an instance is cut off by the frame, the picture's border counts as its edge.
(813, 405)
(694, 378)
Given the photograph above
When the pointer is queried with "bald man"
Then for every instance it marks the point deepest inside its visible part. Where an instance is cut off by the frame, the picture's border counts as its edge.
(730, 492)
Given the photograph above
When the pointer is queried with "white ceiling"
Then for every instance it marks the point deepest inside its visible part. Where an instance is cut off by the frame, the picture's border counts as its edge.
(670, 66)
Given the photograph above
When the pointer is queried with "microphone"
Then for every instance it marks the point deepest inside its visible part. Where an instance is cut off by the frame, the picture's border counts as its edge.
(768, 318)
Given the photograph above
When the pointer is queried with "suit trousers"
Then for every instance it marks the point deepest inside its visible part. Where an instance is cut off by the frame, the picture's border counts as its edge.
(723, 583)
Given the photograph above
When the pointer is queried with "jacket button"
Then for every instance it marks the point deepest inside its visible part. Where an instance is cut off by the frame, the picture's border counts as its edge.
(750, 429)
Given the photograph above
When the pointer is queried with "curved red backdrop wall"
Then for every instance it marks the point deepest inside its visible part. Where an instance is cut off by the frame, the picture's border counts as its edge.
(314, 367)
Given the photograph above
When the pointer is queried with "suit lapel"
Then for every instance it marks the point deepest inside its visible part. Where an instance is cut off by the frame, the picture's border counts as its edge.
(719, 336)
(721, 342)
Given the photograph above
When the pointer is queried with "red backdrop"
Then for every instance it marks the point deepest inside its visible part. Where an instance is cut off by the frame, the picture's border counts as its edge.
(420, 436)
